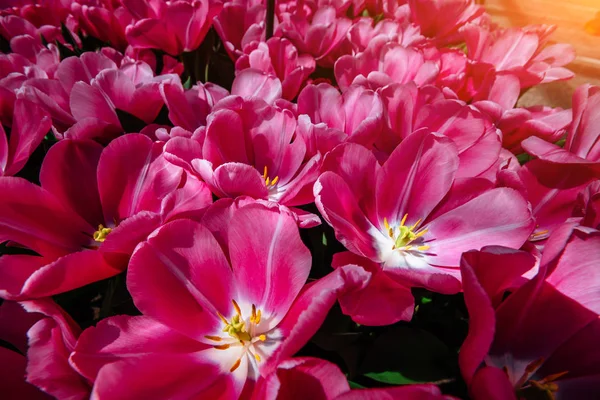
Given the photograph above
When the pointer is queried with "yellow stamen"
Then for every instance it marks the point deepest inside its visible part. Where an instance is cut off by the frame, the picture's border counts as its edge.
(265, 173)
(262, 338)
(236, 365)
(403, 220)
(412, 228)
(257, 357)
(101, 234)
(424, 231)
(267, 181)
(274, 182)
(214, 338)
(223, 318)
(423, 248)
(237, 307)
(257, 319)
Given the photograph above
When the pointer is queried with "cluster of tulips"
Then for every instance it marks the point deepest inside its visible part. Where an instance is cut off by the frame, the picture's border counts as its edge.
(194, 193)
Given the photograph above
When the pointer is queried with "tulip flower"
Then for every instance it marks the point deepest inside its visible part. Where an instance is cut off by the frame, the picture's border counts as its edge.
(411, 216)
(538, 340)
(93, 207)
(224, 319)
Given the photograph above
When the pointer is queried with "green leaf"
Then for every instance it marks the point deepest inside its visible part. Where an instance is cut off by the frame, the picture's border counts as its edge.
(324, 241)
(188, 83)
(391, 378)
(354, 385)
(523, 158)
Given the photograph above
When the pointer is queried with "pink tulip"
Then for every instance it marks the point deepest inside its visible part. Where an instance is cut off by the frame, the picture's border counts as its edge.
(551, 189)
(582, 147)
(94, 206)
(29, 58)
(88, 92)
(174, 27)
(520, 52)
(538, 340)
(320, 32)
(442, 19)
(225, 319)
(409, 109)
(383, 63)
(280, 58)
(411, 216)
(588, 205)
(104, 20)
(14, 324)
(312, 378)
(252, 148)
(355, 116)
(363, 32)
(51, 342)
(30, 123)
(240, 23)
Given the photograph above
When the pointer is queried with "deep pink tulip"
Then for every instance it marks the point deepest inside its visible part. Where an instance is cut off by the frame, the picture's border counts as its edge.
(240, 23)
(226, 319)
(29, 58)
(51, 342)
(542, 338)
(442, 19)
(30, 123)
(588, 205)
(412, 215)
(279, 57)
(104, 20)
(84, 98)
(315, 379)
(317, 31)
(251, 148)
(174, 27)
(551, 189)
(383, 63)
(356, 116)
(94, 206)
(409, 109)
(363, 32)
(520, 52)
(582, 146)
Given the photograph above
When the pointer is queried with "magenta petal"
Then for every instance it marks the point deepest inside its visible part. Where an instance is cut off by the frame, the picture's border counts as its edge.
(88, 101)
(406, 392)
(167, 376)
(339, 207)
(416, 177)
(14, 324)
(478, 223)
(69, 173)
(481, 319)
(272, 262)
(311, 307)
(123, 337)
(181, 151)
(15, 270)
(30, 124)
(67, 273)
(130, 232)
(255, 84)
(491, 383)
(3, 151)
(134, 176)
(225, 139)
(183, 264)
(383, 301)
(236, 179)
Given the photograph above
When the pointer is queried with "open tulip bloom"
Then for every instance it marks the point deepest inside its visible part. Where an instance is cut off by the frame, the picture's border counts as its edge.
(295, 199)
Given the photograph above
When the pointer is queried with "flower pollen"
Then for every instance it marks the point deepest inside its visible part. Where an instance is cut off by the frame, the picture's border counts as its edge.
(101, 234)
(405, 237)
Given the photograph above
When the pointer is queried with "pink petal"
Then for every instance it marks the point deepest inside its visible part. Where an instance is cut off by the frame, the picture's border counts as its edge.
(478, 223)
(183, 264)
(235, 179)
(225, 139)
(251, 83)
(14, 324)
(382, 302)
(416, 177)
(123, 337)
(69, 173)
(133, 176)
(491, 383)
(152, 34)
(13, 384)
(272, 262)
(88, 102)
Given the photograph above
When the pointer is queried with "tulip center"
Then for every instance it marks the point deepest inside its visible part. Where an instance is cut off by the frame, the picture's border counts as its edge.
(530, 388)
(101, 234)
(405, 237)
(241, 333)
(268, 181)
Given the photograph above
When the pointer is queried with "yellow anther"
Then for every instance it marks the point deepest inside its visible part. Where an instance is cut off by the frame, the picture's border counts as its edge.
(419, 234)
(223, 318)
(213, 338)
(262, 338)
(236, 365)
(265, 173)
(101, 234)
(237, 307)
(423, 248)
(257, 357)
(222, 346)
(403, 220)
(412, 228)
(274, 182)
(267, 181)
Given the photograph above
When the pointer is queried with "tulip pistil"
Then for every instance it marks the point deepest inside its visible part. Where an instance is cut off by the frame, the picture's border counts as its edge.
(405, 237)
